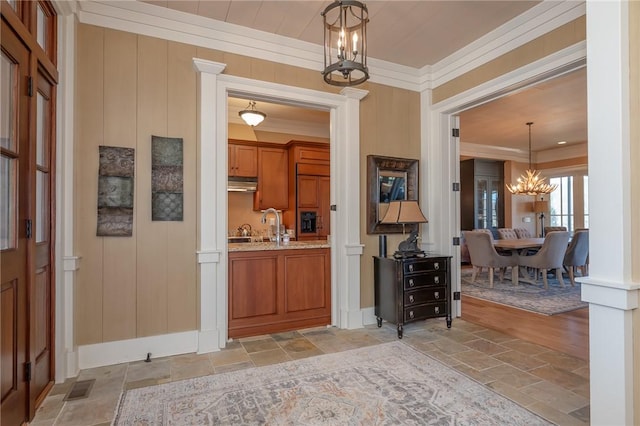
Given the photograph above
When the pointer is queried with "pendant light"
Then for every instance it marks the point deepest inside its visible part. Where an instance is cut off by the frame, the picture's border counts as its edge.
(533, 183)
(344, 23)
(251, 116)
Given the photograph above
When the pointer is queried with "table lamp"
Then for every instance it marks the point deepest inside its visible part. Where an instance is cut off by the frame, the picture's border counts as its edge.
(541, 207)
(404, 212)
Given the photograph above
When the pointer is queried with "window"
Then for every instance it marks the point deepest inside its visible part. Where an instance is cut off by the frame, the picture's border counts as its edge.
(569, 203)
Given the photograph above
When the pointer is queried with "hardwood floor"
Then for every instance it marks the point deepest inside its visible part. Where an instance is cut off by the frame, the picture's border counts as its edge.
(567, 332)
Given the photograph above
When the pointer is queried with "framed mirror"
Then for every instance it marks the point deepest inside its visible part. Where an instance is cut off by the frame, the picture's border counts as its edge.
(389, 179)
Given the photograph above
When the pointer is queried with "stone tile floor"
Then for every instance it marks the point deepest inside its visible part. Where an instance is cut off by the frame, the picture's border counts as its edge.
(549, 383)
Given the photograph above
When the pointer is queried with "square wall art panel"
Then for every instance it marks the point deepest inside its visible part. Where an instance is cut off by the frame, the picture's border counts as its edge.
(115, 191)
(166, 179)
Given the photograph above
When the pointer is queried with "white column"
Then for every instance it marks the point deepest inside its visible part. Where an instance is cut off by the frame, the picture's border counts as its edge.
(66, 260)
(609, 290)
(212, 334)
(348, 249)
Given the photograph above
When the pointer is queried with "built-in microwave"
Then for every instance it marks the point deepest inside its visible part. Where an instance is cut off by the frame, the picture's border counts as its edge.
(308, 221)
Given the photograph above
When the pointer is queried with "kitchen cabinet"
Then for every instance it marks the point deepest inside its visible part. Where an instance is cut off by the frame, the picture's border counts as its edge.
(273, 291)
(273, 179)
(411, 289)
(243, 160)
(314, 197)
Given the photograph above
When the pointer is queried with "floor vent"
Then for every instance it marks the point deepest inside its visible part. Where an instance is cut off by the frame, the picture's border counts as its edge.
(79, 390)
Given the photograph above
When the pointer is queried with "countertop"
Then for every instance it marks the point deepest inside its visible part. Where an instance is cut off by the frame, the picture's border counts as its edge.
(292, 245)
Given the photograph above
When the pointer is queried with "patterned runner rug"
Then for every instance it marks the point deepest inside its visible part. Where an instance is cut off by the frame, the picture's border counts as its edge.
(527, 296)
(386, 384)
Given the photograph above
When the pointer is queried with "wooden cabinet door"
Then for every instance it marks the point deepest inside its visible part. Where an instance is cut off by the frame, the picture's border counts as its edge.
(324, 206)
(243, 160)
(307, 191)
(273, 179)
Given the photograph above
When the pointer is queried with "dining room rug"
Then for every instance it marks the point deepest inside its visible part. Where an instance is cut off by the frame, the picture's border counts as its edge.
(385, 384)
(526, 296)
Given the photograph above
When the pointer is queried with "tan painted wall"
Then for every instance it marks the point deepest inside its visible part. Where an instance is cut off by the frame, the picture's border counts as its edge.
(130, 87)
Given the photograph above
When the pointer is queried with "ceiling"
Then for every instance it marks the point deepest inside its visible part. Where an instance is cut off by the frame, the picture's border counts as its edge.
(423, 33)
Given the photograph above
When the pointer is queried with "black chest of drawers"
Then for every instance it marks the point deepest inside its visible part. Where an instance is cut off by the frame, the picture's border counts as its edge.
(412, 289)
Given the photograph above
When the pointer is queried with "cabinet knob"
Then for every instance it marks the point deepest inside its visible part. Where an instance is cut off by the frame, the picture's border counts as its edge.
(410, 268)
(436, 280)
(411, 283)
(437, 310)
(436, 295)
(411, 298)
(436, 265)
(411, 314)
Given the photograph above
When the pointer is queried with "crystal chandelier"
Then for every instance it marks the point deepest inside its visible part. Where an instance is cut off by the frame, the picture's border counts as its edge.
(532, 183)
(345, 43)
(251, 116)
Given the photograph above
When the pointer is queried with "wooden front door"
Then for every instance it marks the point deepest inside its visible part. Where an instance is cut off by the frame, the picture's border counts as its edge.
(14, 205)
(27, 191)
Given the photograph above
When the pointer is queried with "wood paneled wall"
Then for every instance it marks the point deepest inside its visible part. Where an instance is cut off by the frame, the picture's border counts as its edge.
(130, 87)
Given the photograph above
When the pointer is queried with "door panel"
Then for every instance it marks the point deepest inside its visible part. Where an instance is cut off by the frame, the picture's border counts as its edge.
(41, 328)
(14, 183)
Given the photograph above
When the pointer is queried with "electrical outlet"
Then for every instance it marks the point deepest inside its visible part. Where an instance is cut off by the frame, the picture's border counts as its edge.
(526, 219)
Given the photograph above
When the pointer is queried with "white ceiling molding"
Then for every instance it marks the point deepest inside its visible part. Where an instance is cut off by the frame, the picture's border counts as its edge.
(154, 21)
(493, 152)
(562, 152)
(276, 125)
(528, 26)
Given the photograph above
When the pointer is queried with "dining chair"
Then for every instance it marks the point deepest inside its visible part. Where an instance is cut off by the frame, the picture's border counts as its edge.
(523, 233)
(550, 256)
(548, 229)
(484, 255)
(577, 254)
(507, 234)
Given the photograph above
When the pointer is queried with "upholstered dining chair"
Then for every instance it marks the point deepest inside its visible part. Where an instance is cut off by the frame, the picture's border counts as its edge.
(507, 234)
(548, 229)
(486, 231)
(523, 233)
(577, 254)
(550, 256)
(484, 255)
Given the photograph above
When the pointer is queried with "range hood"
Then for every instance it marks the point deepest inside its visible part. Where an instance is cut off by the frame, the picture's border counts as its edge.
(242, 184)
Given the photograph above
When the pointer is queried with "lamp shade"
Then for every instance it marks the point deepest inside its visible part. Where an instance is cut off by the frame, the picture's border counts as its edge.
(541, 206)
(404, 211)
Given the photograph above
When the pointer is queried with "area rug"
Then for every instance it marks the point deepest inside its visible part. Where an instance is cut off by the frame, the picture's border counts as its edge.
(386, 384)
(530, 297)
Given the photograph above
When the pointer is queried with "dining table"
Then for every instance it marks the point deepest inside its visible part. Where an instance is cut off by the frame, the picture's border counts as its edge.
(518, 244)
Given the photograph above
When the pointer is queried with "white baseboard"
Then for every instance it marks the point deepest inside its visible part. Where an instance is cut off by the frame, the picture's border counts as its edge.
(100, 354)
(369, 316)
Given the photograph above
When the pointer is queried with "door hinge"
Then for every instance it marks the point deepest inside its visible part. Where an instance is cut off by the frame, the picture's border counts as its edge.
(333, 208)
(456, 186)
(456, 241)
(28, 227)
(27, 371)
(30, 86)
(455, 133)
(456, 295)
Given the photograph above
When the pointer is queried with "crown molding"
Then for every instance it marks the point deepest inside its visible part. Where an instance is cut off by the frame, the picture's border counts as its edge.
(528, 26)
(522, 156)
(155, 21)
(562, 152)
(276, 125)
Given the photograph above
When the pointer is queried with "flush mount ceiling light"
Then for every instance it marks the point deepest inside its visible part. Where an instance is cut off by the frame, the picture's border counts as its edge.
(251, 116)
(345, 43)
(532, 183)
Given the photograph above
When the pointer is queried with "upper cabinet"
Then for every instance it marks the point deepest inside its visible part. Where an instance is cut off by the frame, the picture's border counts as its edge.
(273, 179)
(243, 160)
(482, 194)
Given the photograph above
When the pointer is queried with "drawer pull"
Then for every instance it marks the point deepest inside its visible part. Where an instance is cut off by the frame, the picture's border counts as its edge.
(436, 279)
(436, 295)
(437, 309)
(411, 283)
(410, 268)
(411, 298)
(410, 314)
(436, 265)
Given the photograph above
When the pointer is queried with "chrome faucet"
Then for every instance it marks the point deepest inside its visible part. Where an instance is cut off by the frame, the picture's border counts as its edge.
(264, 220)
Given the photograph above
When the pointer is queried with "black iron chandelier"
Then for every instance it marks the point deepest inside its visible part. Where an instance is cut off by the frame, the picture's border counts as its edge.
(345, 43)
